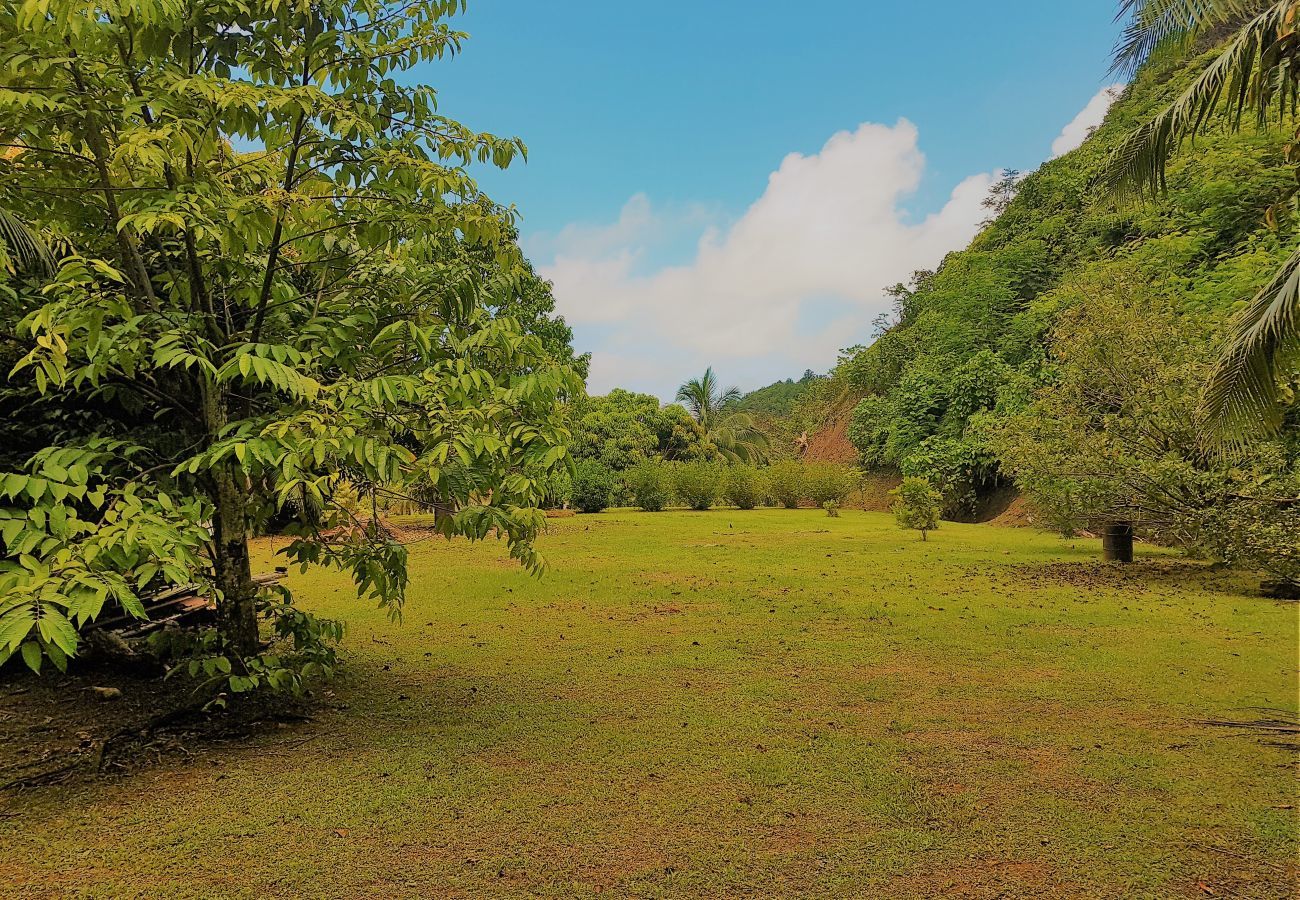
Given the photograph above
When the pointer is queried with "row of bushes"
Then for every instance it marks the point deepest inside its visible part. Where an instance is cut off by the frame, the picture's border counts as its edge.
(654, 484)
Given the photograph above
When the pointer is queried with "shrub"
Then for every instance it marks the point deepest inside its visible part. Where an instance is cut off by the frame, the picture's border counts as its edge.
(786, 483)
(918, 505)
(593, 484)
(650, 484)
(827, 483)
(744, 486)
(698, 484)
(832, 508)
(960, 469)
(1257, 530)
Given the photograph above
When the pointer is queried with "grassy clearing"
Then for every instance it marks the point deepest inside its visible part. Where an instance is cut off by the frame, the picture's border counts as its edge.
(771, 703)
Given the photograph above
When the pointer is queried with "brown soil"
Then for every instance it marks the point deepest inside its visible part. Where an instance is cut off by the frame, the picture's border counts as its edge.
(830, 442)
(1016, 514)
(100, 720)
(874, 495)
(995, 504)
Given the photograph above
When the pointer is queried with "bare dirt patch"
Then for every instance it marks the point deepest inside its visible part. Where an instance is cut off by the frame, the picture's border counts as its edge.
(830, 442)
(1141, 575)
(1016, 514)
(102, 722)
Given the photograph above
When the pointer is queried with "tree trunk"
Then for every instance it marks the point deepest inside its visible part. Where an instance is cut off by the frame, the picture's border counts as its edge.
(237, 594)
(237, 606)
(1117, 542)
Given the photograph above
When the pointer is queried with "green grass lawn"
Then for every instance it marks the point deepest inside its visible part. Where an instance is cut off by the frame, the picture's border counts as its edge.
(735, 704)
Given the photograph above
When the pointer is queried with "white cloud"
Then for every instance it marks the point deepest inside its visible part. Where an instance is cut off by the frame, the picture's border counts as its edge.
(1089, 117)
(639, 224)
(798, 276)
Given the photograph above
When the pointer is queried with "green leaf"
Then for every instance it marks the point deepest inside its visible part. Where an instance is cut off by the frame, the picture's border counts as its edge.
(31, 652)
(16, 624)
(57, 630)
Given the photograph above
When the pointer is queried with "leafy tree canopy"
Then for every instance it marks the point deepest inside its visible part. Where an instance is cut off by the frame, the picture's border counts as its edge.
(623, 428)
(275, 280)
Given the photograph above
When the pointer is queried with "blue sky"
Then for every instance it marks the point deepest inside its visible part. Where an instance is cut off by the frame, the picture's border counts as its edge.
(661, 195)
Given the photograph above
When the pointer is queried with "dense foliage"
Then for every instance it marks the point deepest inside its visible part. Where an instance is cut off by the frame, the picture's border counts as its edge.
(650, 484)
(985, 345)
(776, 400)
(623, 428)
(698, 484)
(592, 486)
(271, 282)
(1253, 77)
(827, 483)
(787, 482)
(745, 487)
(1116, 437)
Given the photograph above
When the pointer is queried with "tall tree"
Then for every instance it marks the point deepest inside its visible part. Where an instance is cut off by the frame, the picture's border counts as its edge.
(1257, 75)
(733, 432)
(1110, 442)
(274, 288)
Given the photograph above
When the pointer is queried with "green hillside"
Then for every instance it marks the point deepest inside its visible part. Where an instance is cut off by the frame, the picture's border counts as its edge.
(777, 399)
(972, 383)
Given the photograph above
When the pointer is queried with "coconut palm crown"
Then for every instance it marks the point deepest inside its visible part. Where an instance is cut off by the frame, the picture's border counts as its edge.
(732, 431)
(1257, 76)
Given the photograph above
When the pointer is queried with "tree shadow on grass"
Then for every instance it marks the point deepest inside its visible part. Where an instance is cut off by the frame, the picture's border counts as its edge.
(102, 721)
(1161, 572)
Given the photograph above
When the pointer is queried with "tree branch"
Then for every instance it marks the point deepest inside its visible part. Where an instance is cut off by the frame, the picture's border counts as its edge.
(273, 256)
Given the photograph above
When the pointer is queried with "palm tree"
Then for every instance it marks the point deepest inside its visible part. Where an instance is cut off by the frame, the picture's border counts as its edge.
(1257, 72)
(21, 248)
(733, 432)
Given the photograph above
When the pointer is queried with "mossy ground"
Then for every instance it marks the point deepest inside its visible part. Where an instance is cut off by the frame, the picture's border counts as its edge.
(735, 704)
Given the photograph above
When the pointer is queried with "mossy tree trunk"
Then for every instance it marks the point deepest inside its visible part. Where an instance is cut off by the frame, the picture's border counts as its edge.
(232, 572)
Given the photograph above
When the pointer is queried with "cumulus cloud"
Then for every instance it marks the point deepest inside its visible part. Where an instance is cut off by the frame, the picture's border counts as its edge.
(1089, 117)
(800, 274)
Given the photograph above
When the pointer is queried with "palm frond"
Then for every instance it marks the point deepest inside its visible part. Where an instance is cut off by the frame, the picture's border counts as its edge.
(1243, 396)
(734, 433)
(1162, 29)
(1254, 71)
(21, 248)
(695, 394)
(739, 439)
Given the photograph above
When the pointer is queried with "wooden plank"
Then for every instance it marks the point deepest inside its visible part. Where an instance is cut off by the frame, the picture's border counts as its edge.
(186, 598)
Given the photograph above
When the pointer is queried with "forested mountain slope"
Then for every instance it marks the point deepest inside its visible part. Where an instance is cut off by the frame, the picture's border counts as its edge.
(777, 399)
(974, 336)
(1066, 349)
